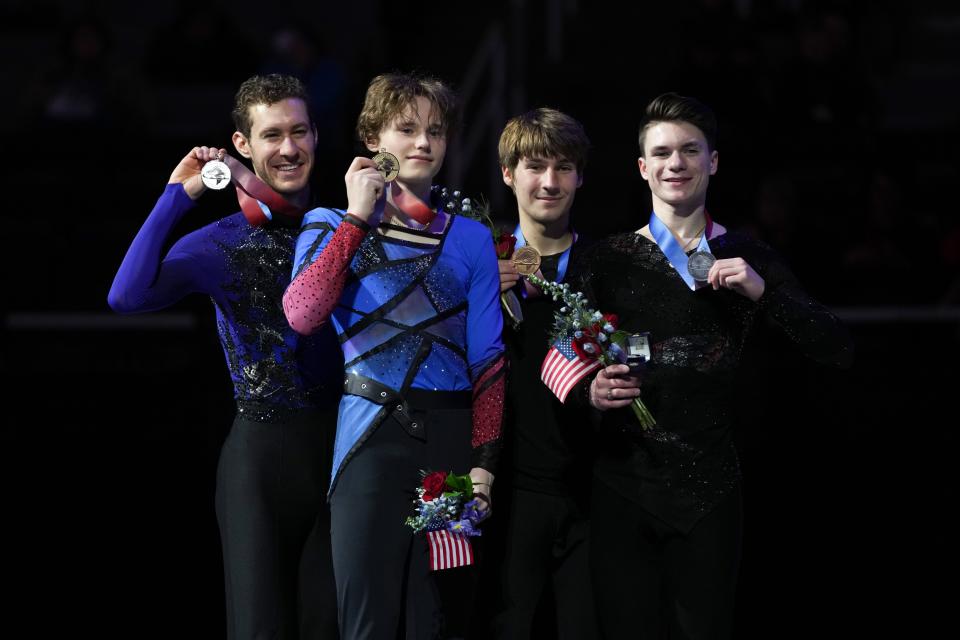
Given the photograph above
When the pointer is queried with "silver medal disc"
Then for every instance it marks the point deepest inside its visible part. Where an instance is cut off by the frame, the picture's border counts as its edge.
(215, 174)
(699, 263)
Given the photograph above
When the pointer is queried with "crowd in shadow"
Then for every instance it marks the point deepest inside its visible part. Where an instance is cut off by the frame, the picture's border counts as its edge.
(818, 158)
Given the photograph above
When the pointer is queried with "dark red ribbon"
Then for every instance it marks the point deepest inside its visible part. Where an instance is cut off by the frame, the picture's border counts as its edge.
(251, 188)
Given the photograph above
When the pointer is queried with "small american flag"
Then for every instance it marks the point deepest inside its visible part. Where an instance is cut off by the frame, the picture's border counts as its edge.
(563, 368)
(449, 549)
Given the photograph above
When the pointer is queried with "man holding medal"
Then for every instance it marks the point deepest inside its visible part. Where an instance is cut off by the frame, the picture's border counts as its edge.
(274, 465)
(666, 507)
(412, 291)
(537, 547)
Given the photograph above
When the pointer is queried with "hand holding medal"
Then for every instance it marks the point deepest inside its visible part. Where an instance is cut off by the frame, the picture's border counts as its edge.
(216, 174)
(200, 169)
(699, 263)
(735, 274)
(387, 165)
(365, 187)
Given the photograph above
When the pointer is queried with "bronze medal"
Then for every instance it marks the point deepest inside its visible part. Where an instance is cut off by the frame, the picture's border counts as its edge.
(526, 259)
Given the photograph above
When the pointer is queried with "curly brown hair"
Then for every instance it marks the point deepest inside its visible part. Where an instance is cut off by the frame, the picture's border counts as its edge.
(389, 95)
(268, 90)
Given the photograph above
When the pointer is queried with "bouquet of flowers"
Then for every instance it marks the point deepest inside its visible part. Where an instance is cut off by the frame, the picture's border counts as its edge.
(582, 341)
(504, 242)
(449, 514)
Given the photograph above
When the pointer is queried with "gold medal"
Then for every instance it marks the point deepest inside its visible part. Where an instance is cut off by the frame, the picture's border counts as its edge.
(526, 259)
(387, 165)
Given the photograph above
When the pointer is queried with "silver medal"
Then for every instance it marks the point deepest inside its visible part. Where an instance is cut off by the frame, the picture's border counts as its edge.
(216, 174)
(699, 263)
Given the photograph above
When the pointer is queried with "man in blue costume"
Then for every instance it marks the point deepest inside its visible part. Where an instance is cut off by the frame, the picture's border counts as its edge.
(412, 291)
(274, 466)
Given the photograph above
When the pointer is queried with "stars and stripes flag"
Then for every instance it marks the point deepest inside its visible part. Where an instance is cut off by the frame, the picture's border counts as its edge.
(563, 368)
(448, 549)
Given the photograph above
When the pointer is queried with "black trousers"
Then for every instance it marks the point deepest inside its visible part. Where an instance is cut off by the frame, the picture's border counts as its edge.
(536, 542)
(654, 582)
(385, 589)
(274, 522)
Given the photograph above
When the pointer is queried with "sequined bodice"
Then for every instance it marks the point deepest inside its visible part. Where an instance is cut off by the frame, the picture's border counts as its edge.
(682, 468)
(268, 362)
(401, 316)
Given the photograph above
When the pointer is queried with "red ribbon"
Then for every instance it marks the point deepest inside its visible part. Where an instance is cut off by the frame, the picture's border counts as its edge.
(251, 188)
(411, 205)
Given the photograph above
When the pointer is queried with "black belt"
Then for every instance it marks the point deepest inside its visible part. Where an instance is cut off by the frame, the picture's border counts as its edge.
(413, 420)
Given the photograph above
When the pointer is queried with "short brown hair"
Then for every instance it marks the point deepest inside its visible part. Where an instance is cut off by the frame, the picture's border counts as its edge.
(543, 133)
(268, 90)
(389, 95)
(671, 107)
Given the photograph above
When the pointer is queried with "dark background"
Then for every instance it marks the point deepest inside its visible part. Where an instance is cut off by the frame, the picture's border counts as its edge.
(838, 146)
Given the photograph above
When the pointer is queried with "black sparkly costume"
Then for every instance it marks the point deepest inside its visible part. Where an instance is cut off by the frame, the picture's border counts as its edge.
(275, 463)
(666, 505)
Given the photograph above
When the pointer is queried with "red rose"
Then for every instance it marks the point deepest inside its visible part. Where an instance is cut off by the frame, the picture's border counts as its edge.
(433, 485)
(505, 244)
(581, 349)
(612, 319)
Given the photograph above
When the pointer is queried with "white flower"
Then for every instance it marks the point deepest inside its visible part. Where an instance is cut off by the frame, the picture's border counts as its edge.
(608, 328)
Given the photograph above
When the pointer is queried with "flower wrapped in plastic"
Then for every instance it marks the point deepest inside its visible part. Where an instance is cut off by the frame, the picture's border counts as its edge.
(449, 514)
(582, 341)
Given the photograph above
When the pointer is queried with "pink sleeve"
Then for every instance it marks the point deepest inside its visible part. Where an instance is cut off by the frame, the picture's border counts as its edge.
(314, 293)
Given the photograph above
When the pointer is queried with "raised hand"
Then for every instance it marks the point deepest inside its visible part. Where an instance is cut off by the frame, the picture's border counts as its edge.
(188, 171)
(365, 185)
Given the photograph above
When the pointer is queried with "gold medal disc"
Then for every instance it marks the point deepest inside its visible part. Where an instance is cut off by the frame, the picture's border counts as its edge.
(387, 165)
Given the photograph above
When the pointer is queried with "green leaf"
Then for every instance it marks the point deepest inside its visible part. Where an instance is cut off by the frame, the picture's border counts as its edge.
(461, 483)
(619, 337)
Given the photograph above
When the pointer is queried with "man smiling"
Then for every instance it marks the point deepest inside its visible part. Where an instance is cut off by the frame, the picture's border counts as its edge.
(666, 507)
(273, 468)
(540, 547)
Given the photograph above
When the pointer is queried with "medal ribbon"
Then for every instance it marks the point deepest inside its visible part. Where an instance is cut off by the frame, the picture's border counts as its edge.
(561, 264)
(411, 205)
(258, 202)
(672, 249)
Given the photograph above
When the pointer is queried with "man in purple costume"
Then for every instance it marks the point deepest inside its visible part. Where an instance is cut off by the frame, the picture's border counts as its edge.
(275, 464)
